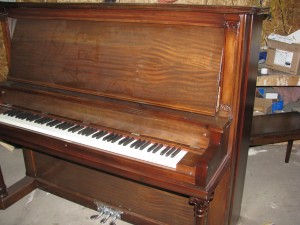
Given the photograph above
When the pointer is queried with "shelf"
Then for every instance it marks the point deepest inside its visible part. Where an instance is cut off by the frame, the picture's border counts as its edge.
(277, 78)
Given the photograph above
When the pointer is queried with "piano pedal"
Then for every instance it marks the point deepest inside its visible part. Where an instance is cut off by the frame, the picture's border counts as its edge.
(106, 213)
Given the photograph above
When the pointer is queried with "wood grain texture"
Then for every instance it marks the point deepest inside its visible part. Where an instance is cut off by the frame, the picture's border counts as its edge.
(125, 194)
(171, 66)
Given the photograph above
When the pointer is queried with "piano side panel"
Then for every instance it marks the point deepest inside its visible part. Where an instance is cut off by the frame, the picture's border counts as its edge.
(174, 66)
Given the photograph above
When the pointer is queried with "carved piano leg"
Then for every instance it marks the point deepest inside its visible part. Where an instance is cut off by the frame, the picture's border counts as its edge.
(3, 191)
(201, 210)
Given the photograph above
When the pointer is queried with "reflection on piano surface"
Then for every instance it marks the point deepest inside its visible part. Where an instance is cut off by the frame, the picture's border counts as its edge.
(139, 108)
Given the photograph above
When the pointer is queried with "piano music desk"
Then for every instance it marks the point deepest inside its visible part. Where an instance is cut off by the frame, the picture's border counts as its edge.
(275, 128)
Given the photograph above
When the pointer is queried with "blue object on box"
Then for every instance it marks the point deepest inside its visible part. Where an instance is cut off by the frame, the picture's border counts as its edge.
(261, 91)
(277, 106)
(262, 55)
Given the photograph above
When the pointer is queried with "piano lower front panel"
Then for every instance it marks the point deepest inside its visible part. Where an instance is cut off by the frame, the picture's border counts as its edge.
(142, 204)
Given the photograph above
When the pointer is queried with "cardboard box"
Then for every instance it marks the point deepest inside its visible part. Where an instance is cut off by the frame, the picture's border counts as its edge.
(283, 57)
(284, 52)
(267, 106)
(268, 93)
(263, 105)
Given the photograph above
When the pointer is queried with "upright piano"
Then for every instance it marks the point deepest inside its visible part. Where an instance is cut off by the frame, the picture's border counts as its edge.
(142, 112)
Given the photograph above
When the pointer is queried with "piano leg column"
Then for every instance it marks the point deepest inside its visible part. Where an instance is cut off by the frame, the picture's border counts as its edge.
(200, 209)
(3, 192)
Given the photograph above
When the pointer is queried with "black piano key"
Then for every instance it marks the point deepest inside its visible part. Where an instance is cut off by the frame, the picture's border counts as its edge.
(84, 131)
(108, 137)
(139, 144)
(99, 134)
(33, 118)
(53, 123)
(135, 143)
(67, 126)
(28, 115)
(170, 151)
(7, 112)
(128, 141)
(112, 138)
(163, 152)
(46, 120)
(91, 131)
(116, 138)
(152, 147)
(175, 153)
(59, 126)
(40, 120)
(145, 145)
(19, 115)
(102, 135)
(75, 128)
(87, 131)
(25, 115)
(157, 148)
(123, 140)
(22, 115)
(14, 113)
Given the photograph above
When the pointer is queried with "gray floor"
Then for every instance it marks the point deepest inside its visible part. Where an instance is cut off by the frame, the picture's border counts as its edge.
(271, 194)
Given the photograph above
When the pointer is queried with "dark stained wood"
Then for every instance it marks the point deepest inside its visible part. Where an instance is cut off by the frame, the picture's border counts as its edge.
(3, 191)
(161, 123)
(275, 128)
(120, 61)
(123, 193)
(6, 34)
(247, 85)
(178, 75)
(17, 191)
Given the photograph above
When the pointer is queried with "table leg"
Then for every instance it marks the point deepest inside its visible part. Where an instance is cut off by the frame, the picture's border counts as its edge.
(3, 191)
(288, 150)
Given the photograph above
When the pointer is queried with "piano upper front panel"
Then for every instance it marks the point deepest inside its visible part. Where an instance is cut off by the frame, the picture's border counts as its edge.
(168, 65)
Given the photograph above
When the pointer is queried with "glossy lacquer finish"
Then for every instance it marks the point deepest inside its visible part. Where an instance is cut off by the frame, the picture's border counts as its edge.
(179, 75)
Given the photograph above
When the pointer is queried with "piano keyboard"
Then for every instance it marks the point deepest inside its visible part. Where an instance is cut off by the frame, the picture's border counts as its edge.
(128, 146)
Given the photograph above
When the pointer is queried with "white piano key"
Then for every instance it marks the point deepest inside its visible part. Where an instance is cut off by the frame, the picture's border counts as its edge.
(100, 144)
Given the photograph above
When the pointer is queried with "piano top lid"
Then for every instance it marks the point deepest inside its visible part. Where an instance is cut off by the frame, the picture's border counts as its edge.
(152, 7)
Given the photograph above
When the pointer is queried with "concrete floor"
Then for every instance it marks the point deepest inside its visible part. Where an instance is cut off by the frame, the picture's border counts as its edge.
(271, 194)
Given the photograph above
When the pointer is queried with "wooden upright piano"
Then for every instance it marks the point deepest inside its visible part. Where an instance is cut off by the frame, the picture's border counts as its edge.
(144, 110)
